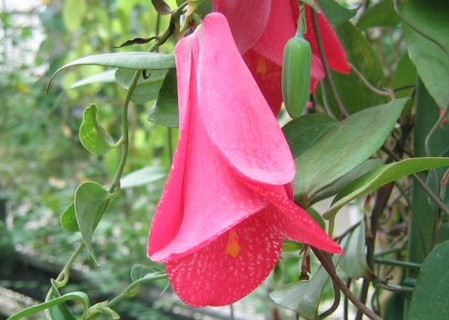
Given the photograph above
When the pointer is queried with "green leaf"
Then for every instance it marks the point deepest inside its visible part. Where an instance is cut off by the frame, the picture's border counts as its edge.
(303, 132)
(91, 201)
(344, 147)
(130, 60)
(140, 271)
(346, 179)
(354, 94)
(425, 27)
(144, 176)
(429, 18)
(353, 262)
(60, 310)
(304, 297)
(165, 110)
(73, 14)
(68, 219)
(103, 77)
(404, 76)
(379, 177)
(71, 296)
(336, 13)
(380, 14)
(430, 300)
(147, 89)
(92, 135)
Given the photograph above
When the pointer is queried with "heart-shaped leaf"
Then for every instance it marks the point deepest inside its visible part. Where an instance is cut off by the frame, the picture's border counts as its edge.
(91, 201)
(68, 219)
(93, 136)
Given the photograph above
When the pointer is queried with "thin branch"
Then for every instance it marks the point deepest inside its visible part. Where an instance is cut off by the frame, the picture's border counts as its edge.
(383, 92)
(327, 263)
(329, 77)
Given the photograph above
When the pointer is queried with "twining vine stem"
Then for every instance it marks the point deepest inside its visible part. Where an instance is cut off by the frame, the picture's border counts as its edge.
(329, 77)
(327, 264)
(63, 276)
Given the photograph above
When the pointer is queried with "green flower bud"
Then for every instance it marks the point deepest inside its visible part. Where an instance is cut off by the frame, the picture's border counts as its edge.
(296, 73)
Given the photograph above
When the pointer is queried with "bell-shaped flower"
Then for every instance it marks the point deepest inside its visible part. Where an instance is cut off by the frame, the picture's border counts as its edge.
(264, 55)
(227, 206)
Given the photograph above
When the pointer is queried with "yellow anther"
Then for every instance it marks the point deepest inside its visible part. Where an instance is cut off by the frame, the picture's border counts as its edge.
(233, 247)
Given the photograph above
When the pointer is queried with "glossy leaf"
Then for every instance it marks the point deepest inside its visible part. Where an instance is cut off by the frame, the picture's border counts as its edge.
(303, 132)
(92, 135)
(165, 110)
(72, 296)
(60, 310)
(336, 13)
(147, 88)
(68, 219)
(429, 18)
(430, 298)
(333, 155)
(144, 176)
(304, 297)
(404, 76)
(91, 201)
(346, 179)
(380, 14)
(103, 77)
(353, 92)
(425, 27)
(379, 177)
(353, 262)
(129, 60)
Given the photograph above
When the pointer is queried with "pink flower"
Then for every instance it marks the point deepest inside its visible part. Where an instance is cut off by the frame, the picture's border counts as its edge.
(226, 207)
(261, 28)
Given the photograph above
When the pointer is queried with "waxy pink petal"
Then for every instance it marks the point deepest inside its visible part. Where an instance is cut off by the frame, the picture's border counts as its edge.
(335, 52)
(226, 208)
(247, 19)
(264, 57)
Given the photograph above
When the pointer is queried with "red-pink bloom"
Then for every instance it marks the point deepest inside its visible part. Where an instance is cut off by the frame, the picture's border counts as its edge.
(226, 207)
(263, 50)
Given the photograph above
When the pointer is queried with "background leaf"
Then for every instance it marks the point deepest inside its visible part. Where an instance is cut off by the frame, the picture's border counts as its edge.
(303, 132)
(425, 27)
(304, 297)
(336, 13)
(430, 300)
(333, 155)
(379, 177)
(146, 89)
(73, 13)
(144, 176)
(352, 91)
(91, 201)
(381, 14)
(165, 110)
(353, 262)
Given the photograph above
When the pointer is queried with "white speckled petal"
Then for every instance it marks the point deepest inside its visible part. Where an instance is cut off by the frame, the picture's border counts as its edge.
(230, 267)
